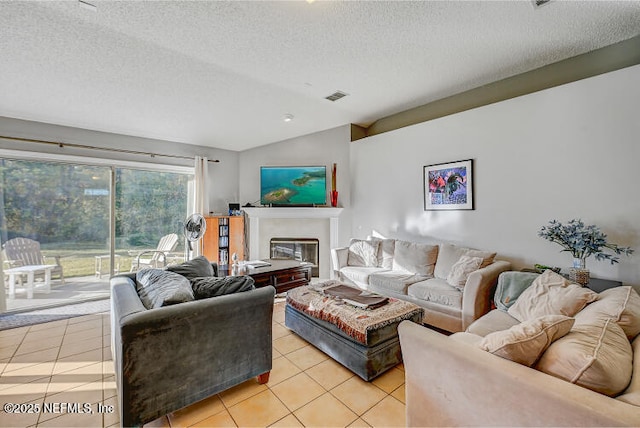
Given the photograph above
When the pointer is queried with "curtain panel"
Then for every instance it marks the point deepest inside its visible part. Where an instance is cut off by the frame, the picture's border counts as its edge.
(201, 194)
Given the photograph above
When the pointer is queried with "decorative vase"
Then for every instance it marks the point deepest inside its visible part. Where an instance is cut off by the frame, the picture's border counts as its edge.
(579, 273)
(334, 192)
(334, 198)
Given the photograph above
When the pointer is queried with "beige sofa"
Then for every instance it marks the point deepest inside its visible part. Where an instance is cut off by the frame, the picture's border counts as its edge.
(454, 284)
(454, 381)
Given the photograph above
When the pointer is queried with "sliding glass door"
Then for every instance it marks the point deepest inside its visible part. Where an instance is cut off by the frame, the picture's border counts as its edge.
(150, 209)
(64, 222)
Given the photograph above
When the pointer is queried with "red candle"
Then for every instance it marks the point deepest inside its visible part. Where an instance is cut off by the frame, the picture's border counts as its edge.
(333, 178)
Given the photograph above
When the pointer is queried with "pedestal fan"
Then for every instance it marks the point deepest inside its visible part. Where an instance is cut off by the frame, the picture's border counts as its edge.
(193, 230)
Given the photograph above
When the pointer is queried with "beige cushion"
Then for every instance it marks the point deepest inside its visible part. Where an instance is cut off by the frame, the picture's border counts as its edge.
(363, 253)
(437, 291)
(385, 251)
(359, 273)
(620, 303)
(449, 254)
(525, 342)
(461, 269)
(394, 280)
(597, 356)
(495, 320)
(414, 257)
(631, 395)
(551, 294)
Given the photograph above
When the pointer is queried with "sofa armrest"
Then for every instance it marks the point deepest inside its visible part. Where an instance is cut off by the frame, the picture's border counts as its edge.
(464, 386)
(478, 291)
(339, 258)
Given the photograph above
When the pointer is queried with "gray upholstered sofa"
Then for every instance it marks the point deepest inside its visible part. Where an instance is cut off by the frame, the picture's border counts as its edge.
(170, 357)
(587, 375)
(453, 294)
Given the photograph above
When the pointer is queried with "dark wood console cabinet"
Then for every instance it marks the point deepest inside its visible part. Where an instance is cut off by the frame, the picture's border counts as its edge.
(283, 275)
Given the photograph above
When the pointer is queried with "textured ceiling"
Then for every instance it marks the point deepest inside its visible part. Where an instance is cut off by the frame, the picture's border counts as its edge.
(223, 74)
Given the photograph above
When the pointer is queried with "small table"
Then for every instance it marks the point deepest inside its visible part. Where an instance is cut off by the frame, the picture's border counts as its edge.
(599, 285)
(596, 284)
(30, 271)
(283, 275)
(99, 259)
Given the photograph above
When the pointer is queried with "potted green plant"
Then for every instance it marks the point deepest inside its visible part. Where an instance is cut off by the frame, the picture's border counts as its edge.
(582, 241)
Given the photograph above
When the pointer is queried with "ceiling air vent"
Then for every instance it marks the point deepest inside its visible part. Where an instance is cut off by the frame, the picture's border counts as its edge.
(538, 3)
(336, 96)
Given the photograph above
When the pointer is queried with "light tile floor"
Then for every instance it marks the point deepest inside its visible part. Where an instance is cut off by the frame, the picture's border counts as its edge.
(69, 361)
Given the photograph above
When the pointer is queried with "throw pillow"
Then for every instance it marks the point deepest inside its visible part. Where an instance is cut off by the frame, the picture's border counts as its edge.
(415, 258)
(620, 303)
(597, 356)
(194, 268)
(385, 251)
(157, 288)
(510, 285)
(449, 254)
(525, 342)
(551, 294)
(461, 269)
(211, 286)
(363, 253)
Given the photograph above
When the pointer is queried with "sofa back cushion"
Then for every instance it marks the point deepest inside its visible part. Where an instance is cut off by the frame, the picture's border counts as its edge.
(495, 320)
(525, 342)
(461, 270)
(158, 287)
(363, 253)
(385, 251)
(194, 268)
(449, 254)
(415, 257)
(551, 294)
(597, 356)
(621, 304)
(211, 286)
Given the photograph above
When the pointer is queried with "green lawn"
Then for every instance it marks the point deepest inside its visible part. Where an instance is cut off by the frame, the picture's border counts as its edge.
(83, 262)
(80, 259)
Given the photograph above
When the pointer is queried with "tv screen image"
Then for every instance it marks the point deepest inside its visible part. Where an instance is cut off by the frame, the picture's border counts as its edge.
(293, 185)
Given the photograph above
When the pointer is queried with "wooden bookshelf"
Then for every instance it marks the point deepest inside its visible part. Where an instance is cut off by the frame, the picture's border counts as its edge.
(224, 236)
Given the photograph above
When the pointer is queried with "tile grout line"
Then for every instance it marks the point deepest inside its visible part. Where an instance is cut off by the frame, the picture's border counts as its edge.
(105, 330)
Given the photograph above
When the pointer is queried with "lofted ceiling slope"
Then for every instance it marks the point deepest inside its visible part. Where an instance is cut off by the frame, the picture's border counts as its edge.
(225, 73)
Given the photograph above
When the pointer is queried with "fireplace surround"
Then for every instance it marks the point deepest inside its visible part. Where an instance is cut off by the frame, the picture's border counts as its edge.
(320, 223)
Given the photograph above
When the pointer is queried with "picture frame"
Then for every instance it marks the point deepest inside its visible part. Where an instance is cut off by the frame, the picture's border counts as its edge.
(448, 186)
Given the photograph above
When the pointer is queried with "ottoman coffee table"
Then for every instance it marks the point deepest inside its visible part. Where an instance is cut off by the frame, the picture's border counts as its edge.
(363, 340)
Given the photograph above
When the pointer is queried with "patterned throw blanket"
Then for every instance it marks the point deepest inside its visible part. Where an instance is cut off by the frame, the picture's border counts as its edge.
(355, 322)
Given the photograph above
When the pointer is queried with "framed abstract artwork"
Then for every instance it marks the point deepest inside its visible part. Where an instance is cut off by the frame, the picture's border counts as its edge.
(448, 186)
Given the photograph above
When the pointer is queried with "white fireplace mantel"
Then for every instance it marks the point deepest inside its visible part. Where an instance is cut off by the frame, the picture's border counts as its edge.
(291, 212)
(332, 215)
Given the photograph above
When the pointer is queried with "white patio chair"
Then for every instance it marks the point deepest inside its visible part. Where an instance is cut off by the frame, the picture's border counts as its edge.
(26, 252)
(158, 256)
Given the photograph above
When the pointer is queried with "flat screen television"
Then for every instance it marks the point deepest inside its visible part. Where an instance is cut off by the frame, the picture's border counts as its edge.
(293, 185)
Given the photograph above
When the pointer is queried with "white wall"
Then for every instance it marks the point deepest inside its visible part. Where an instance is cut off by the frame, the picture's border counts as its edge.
(568, 152)
(223, 176)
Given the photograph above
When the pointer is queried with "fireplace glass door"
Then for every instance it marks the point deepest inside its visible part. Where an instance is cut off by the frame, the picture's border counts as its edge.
(301, 249)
